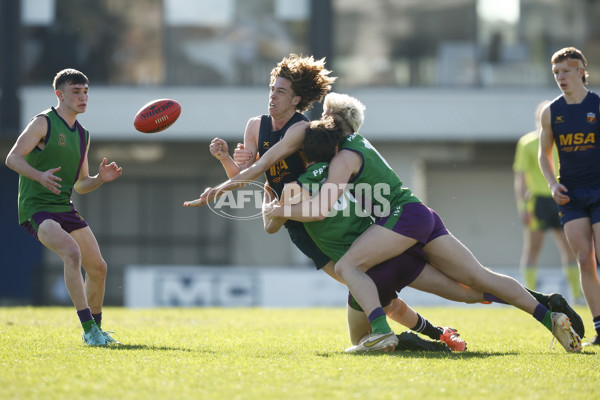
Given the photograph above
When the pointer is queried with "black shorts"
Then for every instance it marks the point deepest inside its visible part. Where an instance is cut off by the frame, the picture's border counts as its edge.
(545, 214)
(305, 244)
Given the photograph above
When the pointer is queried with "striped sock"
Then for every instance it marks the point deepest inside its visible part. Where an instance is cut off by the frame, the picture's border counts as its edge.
(423, 326)
(597, 325)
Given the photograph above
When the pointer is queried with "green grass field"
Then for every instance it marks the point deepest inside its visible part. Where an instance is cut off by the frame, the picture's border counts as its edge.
(243, 353)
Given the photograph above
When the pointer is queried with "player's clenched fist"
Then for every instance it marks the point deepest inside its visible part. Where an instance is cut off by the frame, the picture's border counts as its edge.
(218, 148)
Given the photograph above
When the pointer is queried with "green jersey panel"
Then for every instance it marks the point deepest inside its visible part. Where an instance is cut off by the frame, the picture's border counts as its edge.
(345, 222)
(376, 186)
(65, 148)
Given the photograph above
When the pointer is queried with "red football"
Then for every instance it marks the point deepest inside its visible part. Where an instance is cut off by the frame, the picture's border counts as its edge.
(157, 115)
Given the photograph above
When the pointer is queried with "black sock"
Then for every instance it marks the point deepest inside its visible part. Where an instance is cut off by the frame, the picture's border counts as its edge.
(540, 297)
(423, 326)
(597, 325)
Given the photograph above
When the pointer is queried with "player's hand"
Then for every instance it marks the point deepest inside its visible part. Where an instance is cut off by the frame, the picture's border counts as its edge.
(525, 218)
(241, 155)
(218, 148)
(208, 195)
(273, 209)
(559, 194)
(51, 181)
(109, 172)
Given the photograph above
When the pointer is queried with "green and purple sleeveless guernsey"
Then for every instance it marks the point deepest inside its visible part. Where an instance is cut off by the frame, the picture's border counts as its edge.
(65, 148)
(576, 128)
(376, 186)
(346, 221)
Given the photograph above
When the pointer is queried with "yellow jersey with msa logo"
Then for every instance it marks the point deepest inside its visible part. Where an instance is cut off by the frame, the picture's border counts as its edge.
(288, 169)
(64, 147)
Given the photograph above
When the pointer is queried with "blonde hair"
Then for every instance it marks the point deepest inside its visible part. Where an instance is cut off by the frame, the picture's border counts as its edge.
(349, 109)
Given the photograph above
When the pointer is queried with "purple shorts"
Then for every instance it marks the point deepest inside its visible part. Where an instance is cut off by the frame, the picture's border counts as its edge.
(416, 221)
(392, 275)
(419, 222)
(69, 221)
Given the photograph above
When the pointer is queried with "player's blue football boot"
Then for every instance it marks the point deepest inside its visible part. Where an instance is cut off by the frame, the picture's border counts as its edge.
(109, 339)
(94, 337)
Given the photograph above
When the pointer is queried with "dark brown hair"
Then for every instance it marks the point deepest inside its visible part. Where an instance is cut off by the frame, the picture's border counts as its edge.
(322, 138)
(69, 75)
(310, 80)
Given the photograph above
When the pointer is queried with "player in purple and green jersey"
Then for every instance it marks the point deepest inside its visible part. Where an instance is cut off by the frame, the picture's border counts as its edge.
(50, 156)
(407, 223)
(61, 143)
(347, 221)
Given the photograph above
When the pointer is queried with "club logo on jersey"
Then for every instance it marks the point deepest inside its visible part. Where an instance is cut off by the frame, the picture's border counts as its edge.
(591, 118)
(279, 169)
(266, 145)
(62, 139)
(559, 119)
(577, 139)
(279, 178)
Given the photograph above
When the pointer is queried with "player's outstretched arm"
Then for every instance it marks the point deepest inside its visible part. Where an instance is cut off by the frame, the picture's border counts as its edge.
(293, 193)
(291, 143)
(106, 173)
(341, 169)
